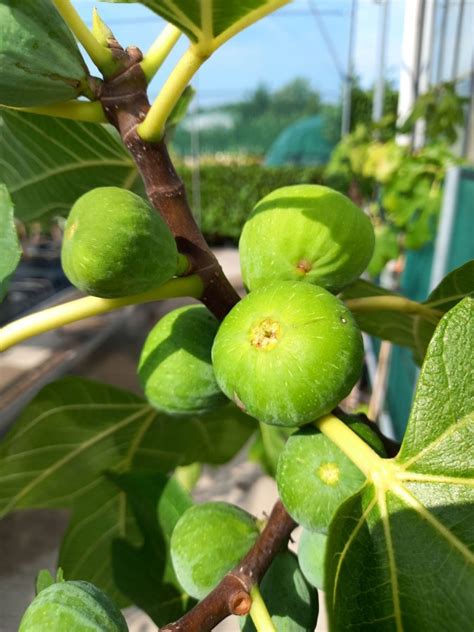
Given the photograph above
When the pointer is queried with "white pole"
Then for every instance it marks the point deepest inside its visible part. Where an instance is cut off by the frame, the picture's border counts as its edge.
(425, 66)
(347, 94)
(379, 88)
(412, 31)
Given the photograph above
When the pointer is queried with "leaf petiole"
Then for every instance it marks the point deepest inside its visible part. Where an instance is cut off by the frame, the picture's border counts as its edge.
(361, 454)
(159, 51)
(259, 613)
(152, 128)
(100, 55)
(90, 112)
(60, 315)
(393, 304)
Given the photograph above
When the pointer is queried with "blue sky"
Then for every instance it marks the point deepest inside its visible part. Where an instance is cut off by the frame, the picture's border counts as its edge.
(274, 51)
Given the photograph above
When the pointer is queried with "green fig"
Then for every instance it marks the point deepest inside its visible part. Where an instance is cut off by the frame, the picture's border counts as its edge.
(305, 232)
(311, 557)
(288, 353)
(175, 367)
(40, 62)
(207, 542)
(291, 601)
(315, 477)
(115, 244)
(73, 606)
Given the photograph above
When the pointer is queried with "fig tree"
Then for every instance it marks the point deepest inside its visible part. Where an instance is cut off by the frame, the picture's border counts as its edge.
(288, 353)
(75, 606)
(305, 232)
(40, 61)
(115, 244)
(291, 601)
(207, 542)
(175, 367)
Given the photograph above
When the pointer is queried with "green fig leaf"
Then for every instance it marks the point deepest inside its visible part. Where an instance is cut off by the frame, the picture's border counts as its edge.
(9, 245)
(145, 573)
(40, 61)
(453, 288)
(210, 23)
(47, 163)
(409, 330)
(73, 431)
(398, 546)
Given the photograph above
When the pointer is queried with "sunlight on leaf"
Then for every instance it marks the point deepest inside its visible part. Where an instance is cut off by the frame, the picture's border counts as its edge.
(400, 551)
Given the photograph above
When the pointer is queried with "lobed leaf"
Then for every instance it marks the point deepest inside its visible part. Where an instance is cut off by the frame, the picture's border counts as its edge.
(410, 330)
(145, 573)
(209, 23)
(9, 245)
(40, 62)
(73, 433)
(400, 551)
(47, 163)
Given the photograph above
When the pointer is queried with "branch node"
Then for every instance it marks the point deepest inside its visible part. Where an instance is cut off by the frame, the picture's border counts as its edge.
(240, 603)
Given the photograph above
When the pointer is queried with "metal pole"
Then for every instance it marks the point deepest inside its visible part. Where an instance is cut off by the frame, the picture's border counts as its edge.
(425, 66)
(379, 88)
(457, 42)
(409, 70)
(349, 78)
(442, 41)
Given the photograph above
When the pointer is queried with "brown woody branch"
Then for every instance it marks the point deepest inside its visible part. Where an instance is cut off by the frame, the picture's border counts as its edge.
(232, 595)
(125, 103)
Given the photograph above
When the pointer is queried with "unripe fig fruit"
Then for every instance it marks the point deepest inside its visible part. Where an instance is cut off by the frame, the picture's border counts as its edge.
(315, 477)
(207, 542)
(40, 62)
(311, 557)
(290, 600)
(288, 353)
(305, 232)
(175, 367)
(73, 606)
(115, 244)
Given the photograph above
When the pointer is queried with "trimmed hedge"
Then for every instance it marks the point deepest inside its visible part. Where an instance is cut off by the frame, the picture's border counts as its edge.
(229, 193)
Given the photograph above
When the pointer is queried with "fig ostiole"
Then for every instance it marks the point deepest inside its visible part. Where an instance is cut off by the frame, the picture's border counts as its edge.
(207, 542)
(305, 232)
(40, 62)
(315, 477)
(72, 606)
(288, 353)
(115, 244)
(175, 367)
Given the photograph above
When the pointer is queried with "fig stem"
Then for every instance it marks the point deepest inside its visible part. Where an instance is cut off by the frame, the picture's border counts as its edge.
(395, 304)
(90, 112)
(152, 128)
(361, 454)
(159, 51)
(259, 612)
(100, 55)
(72, 311)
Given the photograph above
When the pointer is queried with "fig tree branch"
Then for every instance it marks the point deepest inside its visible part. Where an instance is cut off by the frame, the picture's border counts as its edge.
(66, 313)
(125, 103)
(234, 593)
